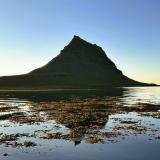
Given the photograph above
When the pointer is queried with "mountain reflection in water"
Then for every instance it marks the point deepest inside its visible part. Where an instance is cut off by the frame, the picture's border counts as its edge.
(91, 116)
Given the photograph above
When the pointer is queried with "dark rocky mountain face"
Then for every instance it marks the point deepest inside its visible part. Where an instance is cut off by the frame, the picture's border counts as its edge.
(79, 65)
(79, 58)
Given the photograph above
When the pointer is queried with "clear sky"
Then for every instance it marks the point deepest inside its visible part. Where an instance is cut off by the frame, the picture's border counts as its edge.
(32, 32)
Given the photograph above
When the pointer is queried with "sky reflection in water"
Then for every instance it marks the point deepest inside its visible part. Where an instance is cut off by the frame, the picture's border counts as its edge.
(82, 125)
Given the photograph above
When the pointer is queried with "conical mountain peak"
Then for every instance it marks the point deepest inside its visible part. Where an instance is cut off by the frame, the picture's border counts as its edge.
(79, 57)
(76, 40)
(79, 65)
(83, 48)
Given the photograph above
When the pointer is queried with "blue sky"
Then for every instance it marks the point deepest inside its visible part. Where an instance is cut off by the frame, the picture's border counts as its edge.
(32, 32)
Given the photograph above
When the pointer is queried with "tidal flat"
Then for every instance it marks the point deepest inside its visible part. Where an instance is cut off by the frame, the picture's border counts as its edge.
(122, 123)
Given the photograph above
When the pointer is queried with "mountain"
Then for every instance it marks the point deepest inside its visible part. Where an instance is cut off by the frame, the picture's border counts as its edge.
(79, 65)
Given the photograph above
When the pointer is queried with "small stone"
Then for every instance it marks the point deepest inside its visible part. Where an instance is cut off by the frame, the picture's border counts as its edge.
(5, 154)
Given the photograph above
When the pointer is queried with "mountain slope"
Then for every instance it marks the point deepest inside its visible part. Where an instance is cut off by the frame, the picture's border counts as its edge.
(79, 65)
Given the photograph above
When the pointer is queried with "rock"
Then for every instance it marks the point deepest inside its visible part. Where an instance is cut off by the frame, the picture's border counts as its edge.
(5, 154)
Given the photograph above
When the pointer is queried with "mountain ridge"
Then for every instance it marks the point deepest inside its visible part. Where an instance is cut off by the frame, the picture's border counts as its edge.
(79, 65)
(79, 51)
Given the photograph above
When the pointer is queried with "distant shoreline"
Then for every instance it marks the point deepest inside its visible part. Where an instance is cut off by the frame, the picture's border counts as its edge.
(44, 90)
(71, 89)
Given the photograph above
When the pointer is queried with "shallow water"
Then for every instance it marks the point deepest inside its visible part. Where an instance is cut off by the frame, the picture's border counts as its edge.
(111, 124)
